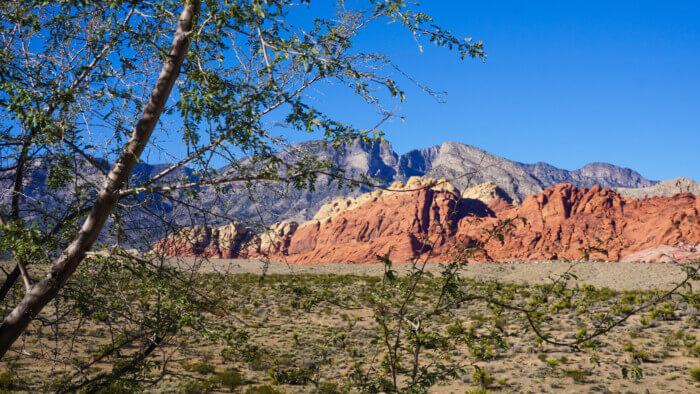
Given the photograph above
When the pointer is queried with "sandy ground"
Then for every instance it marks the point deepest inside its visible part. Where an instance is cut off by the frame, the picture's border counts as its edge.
(614, 275)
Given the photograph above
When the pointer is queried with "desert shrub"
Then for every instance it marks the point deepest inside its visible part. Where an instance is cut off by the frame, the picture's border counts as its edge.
(329, 388)
(552, 363)
(640, 356)
(694, 350)
(482, 378)
(115, 388)
(591, 344)
(635, 373)
(201, 367)
(630, 298)
(229, 379)
(695, 374)
(264, 389)
(293, 376)
(7, 380)
(666, 311)
(195, 387)
(577, 375)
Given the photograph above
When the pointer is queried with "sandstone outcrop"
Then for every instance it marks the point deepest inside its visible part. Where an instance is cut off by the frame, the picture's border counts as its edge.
(275, 240)
(430, 219)
(413, 184)
(229, 241)
(665, 254)
(221, 242)
(485, 192)
(565, 220)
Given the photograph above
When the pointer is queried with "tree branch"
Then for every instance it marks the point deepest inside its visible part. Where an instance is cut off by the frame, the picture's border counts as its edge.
(47, 289)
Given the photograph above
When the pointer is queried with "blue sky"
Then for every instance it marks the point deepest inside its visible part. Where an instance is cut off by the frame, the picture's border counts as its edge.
(565, 82)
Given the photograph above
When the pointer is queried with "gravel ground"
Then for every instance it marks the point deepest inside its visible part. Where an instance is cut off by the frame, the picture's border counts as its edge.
(614, 275)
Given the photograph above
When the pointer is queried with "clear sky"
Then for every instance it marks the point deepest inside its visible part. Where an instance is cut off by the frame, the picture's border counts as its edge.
(565, 82)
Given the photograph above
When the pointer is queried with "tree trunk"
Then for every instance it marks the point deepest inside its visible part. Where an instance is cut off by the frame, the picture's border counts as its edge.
(46, 289)
(9, 282)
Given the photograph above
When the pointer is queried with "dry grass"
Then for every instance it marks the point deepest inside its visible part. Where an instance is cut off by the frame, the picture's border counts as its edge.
(301, 346)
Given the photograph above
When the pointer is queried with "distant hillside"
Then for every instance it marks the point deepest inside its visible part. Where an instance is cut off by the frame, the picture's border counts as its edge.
(463, 165)
(663, 189)
(604, 174)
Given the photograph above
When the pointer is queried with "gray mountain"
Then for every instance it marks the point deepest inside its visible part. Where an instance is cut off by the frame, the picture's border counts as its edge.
(662, 189)
(270, 202)
(463, 165)
(604, 174)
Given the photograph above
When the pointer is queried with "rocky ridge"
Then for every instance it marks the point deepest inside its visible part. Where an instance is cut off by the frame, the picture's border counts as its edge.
(463, 165)
(430, 219)
(269, 202)
(662, 189)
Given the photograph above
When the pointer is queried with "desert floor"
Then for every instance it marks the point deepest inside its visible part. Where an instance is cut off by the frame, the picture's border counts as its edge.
(614, 275)
(312, 328)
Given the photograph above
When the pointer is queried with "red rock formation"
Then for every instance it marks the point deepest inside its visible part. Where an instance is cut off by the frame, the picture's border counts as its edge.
(229, 241)
(665, 253)
(220, 242)
(565, 219)
(400, 222)
(431, 222)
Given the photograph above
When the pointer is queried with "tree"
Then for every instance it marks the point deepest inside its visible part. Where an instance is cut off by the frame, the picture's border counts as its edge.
(78, 93)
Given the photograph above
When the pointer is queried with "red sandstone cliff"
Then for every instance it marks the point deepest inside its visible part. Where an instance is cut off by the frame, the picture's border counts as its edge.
(431, 222)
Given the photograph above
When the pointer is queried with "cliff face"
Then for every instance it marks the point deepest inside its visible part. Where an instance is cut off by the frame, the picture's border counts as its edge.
(430, 219)
(564, 220)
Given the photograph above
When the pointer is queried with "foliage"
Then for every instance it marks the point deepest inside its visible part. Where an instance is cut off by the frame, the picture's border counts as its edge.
(71, 102)
(80, 105)
(695, 374)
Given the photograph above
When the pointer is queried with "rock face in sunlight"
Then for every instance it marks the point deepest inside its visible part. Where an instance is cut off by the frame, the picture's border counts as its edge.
(428, 218)
(485, 192)
(665, 254)
(462, 164)
(221, 242)
(386, 221)
(662, 189)
(564, 220)
(229, 241)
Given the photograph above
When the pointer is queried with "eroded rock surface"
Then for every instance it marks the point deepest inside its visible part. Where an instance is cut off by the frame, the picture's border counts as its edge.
(665, 254)
(431, 219)
(485, 192)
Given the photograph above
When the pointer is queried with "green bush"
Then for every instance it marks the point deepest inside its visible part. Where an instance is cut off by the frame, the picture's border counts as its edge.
(195, 387)
(7, 380)
(664, 312)
(264, 389)
(481, 377)
(577, 375)
(201, 367)
(293, 376)
(229, 379)
(695, 374)
(329, 388)
(640, 356)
